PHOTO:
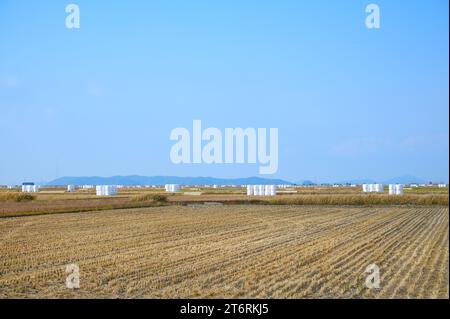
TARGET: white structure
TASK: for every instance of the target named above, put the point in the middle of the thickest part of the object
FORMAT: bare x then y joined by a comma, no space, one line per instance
398,189
273,190
71,188
373,188
106,190
30,188
379,188
442,185
261,190
395,189
391,189
172,188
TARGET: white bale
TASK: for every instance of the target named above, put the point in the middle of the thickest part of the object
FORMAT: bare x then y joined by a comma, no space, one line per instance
249,190
391,189
106,190
30,188
267,190
273,190
398,189
365,188
379,188
71,188
261,190
172,188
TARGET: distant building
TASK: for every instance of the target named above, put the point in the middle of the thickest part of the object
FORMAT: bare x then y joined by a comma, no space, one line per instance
29,187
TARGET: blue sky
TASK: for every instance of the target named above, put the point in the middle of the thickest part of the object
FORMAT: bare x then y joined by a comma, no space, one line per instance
349,102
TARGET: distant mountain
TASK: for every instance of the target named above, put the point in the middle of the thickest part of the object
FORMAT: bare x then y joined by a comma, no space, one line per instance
161,180
405,179
358,181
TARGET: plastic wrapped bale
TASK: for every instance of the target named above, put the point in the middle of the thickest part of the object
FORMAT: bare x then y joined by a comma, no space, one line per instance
71,188
172,188
261,190
365,188
249,190
379,188
398,189
267,190
391,189
273,190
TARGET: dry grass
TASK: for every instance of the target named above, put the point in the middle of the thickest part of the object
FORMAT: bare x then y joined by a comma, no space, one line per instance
16,197
45,207
50,203
363,199
157,198
229,252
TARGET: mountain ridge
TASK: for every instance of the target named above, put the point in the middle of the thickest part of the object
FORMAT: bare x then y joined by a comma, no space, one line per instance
202,180
161,180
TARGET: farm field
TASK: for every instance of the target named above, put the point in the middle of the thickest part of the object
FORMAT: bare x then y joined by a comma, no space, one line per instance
57,200
229,251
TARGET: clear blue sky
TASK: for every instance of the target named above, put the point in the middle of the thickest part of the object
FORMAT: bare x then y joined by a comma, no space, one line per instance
349,102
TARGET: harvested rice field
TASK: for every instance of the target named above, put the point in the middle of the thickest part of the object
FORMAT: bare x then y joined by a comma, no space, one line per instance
228,251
